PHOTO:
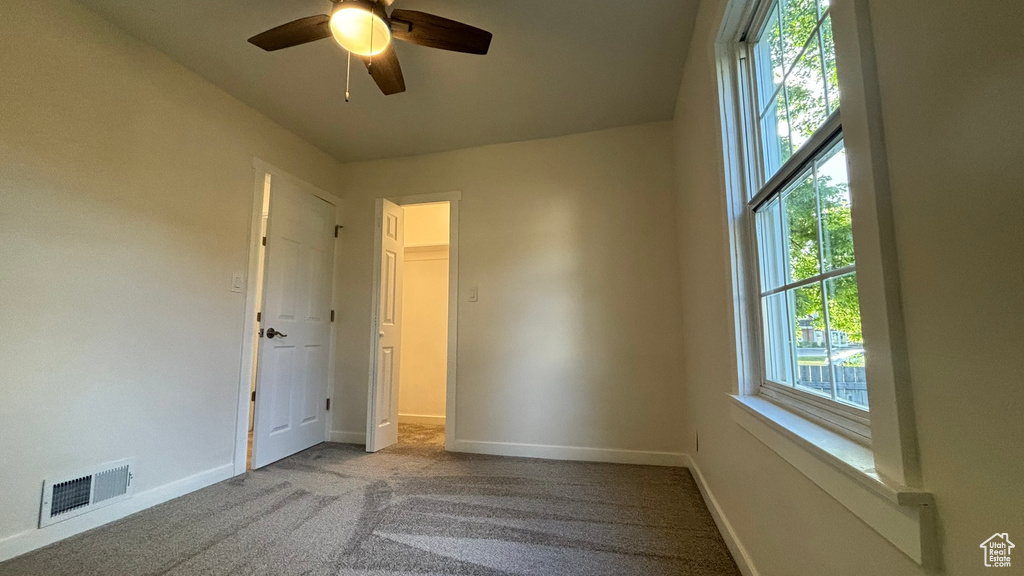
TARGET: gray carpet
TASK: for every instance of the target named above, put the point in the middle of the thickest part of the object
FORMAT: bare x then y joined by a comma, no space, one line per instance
412,509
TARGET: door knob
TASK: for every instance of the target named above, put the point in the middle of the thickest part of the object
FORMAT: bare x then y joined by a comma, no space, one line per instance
381,333
271,333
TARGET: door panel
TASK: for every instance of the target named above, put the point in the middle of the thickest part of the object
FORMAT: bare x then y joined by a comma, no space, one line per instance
288,257
320,282
385,385
382,424
314,368
278,386
291,386
390,297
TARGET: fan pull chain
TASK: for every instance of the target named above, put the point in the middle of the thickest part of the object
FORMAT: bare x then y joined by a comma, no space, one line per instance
348,74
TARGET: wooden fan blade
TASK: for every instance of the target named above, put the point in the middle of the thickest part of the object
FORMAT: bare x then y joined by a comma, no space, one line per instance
436,32
386,71
294,33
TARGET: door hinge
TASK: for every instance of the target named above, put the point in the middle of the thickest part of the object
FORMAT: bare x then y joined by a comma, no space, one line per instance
258,316
332,315
328,403
253,395
336,228
264,240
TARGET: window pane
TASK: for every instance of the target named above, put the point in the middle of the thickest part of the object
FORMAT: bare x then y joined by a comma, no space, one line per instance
805,87
834,200
775,135
770,68
769,246
799,17
811,352
846,339
798,52
778,338
800,222
831,73
811,343
775,46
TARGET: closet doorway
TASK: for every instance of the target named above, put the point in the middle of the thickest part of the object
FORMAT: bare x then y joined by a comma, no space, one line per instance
412,381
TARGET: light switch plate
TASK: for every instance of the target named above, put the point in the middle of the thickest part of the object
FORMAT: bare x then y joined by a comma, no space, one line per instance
237,282
473,294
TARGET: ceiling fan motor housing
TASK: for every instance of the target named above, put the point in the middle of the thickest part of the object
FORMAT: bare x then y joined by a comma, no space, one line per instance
361,26
368,5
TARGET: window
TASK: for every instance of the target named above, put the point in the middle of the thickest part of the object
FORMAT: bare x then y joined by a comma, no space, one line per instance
800,210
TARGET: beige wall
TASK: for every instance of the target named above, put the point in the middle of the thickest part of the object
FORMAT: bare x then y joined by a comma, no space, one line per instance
126,186
426,224
571,242
424,365
949,82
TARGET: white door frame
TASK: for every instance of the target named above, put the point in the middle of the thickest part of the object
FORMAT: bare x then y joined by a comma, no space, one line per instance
452,198
261,169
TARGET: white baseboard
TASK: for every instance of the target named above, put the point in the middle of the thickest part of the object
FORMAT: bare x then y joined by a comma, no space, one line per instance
739,553
420,419
550,452
29,540
348,437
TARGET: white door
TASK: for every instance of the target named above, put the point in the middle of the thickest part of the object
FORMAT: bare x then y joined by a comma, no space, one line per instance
382,427
291,384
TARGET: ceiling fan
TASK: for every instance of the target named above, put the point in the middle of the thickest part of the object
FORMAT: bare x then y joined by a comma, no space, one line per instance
364,28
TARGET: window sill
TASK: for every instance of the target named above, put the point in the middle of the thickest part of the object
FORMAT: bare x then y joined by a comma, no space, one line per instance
845,470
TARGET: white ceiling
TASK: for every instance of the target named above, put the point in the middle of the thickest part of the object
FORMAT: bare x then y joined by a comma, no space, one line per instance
555,67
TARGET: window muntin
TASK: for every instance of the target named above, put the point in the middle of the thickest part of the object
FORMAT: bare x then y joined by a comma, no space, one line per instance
810,313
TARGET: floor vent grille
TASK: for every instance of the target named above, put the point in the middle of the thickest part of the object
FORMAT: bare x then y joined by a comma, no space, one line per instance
81,493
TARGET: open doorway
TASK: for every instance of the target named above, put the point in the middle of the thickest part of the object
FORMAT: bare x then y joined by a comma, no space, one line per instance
424,351
411,398
261,258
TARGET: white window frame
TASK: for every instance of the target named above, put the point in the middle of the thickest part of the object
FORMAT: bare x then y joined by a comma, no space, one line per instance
876,476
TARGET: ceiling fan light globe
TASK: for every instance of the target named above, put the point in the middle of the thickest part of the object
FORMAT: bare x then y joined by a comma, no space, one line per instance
360,30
